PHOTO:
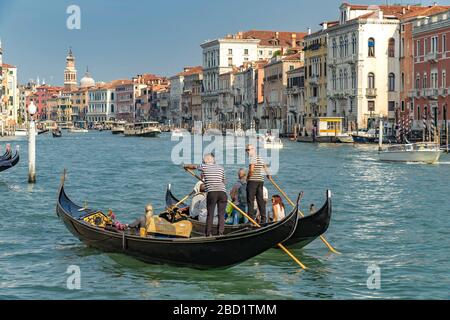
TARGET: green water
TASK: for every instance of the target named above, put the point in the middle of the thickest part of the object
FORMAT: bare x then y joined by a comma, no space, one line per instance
396,216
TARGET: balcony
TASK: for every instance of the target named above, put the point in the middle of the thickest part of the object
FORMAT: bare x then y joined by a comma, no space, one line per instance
313,100
332,61
313,80
431,93
351,58
432,57
443,92
293,90
415,93
371,92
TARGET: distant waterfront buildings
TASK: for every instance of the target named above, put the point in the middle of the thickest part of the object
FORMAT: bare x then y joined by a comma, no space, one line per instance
385,60
431,35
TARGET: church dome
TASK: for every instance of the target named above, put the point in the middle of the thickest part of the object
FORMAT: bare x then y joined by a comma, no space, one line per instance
87,81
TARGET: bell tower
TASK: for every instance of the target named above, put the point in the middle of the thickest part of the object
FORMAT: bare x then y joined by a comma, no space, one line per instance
70,73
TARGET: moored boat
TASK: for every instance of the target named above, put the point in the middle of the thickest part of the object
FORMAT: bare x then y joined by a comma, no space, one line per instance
56,133
78,130
308,228
7,155
22,132
9,163
197,252
177,132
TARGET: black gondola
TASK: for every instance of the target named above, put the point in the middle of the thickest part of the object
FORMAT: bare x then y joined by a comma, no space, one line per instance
7,155
196,252
9,163
56,133
308,228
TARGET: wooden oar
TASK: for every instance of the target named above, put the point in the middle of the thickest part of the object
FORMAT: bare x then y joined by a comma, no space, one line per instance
182,200
256,224
301,213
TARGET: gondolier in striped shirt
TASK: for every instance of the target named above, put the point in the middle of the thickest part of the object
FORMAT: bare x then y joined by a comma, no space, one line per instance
255,183
214,178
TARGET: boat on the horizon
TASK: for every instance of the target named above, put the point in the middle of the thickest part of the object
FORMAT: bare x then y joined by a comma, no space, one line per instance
118,127
142,129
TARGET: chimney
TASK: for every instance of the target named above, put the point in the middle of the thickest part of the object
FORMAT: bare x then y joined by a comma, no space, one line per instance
403,10
240,35
380,14
277,34
324,25
309,30
294,40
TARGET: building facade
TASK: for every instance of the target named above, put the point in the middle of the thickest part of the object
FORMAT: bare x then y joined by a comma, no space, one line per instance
295,99
275,85
101,104
222,55
10,98
315,86
431,66
126,92
191,96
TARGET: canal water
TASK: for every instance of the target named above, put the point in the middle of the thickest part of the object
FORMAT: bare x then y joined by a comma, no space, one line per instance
389,220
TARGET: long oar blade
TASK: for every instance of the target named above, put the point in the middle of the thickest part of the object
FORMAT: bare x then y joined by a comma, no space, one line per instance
256,224
301,213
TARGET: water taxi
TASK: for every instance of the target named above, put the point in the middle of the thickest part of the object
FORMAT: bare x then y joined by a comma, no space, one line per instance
426,152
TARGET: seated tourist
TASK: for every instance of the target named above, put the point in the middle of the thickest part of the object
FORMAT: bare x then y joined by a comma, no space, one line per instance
198,209
277,208
142,222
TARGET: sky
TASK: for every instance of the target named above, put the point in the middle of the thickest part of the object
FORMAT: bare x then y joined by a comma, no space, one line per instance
119,39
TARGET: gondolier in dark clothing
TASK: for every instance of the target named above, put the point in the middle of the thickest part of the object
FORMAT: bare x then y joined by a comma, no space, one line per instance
214,178
255,183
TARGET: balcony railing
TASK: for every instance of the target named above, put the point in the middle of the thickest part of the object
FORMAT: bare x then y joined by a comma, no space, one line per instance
313,100
443,92
431,93
371,92
313,79
432,56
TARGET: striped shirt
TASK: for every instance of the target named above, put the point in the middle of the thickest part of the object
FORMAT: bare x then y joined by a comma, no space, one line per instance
258,171
214,177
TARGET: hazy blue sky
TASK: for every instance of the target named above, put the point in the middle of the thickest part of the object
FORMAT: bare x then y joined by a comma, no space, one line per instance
119,39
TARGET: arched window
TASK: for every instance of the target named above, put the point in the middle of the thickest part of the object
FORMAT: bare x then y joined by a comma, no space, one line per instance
391,82
371,80
334,80
346,46
334,48
345,79
391,48
371,47
354,43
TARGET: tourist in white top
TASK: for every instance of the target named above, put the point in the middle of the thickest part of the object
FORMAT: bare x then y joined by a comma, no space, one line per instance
277,208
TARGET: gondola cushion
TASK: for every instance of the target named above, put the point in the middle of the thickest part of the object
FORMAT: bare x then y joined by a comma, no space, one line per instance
98,219
159,225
